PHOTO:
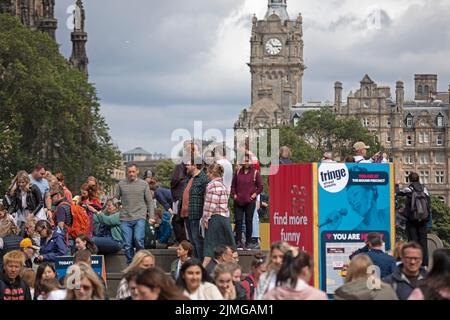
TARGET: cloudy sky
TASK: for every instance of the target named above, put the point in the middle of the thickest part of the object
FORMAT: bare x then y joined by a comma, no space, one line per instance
159,66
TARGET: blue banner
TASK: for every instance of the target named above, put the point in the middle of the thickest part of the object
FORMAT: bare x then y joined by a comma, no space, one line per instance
353,200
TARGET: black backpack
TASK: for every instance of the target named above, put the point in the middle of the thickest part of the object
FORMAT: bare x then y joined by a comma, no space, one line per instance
420,210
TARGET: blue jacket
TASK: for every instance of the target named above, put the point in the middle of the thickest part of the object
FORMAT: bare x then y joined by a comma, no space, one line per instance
385,262
164,231
55,247
401,284
164,197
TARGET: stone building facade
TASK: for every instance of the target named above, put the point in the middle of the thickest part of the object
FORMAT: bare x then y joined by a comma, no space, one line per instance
416,133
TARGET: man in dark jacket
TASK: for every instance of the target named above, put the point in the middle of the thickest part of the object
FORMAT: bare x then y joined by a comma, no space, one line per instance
192,201
385,262
409,274
416,230
12,287
53,243
366,248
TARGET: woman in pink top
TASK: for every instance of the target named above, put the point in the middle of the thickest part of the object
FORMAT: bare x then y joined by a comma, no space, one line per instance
293,278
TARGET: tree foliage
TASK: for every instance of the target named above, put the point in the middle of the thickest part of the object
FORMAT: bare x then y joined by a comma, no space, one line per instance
323,131
441,220
164,171
49,113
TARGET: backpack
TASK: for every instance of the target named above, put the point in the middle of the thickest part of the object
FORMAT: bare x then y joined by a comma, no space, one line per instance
81,223
419,206
251,285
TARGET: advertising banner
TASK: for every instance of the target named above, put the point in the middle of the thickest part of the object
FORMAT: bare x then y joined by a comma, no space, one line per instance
291,205
353,200
63,263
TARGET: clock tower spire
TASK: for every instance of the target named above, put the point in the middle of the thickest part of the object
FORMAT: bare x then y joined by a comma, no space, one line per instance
276,68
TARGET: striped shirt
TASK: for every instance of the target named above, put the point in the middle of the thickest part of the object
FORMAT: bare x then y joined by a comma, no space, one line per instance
136,200
216,200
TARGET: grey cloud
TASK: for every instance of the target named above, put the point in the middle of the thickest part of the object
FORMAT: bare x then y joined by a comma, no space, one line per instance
150,59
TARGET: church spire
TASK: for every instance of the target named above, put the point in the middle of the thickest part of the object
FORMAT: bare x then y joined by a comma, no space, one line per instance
79,57
48,23
278,7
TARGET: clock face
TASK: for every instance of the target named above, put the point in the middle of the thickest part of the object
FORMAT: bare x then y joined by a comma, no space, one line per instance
273,46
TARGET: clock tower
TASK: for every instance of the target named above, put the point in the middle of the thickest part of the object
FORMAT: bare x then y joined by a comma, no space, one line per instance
276,67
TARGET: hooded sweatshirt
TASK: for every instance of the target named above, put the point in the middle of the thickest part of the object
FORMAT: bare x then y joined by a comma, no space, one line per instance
15,289
358,290
302,291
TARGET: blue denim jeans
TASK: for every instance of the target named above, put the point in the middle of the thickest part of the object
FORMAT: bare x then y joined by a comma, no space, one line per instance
107,245
133,234
193,229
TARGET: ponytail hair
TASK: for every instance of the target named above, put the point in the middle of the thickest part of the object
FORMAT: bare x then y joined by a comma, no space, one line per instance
293,264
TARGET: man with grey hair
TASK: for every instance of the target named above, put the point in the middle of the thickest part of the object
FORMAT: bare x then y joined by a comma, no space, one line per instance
361,151
137,204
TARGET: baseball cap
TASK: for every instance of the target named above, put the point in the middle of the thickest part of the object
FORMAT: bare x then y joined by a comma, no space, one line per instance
360,145
27,243
148,174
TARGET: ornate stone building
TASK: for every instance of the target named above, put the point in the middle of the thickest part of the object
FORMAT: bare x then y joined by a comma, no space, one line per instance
276,67
416,133
40,15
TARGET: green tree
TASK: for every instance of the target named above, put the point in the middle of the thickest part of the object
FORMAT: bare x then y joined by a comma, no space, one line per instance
50,109
164,171
441,220
325,132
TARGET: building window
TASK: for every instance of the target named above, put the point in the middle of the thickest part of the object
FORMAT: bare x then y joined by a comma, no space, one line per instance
409,122
388,138
366,122
441,199
424,137
440,158
427,90
420,90
409,158
388,123
440,177
406,176
409,141
440,121
423,158
440,140
424,176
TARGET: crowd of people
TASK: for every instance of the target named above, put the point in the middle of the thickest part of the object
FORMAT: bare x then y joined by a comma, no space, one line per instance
41,220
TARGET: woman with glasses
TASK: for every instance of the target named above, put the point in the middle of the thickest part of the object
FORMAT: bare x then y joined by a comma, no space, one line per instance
89,286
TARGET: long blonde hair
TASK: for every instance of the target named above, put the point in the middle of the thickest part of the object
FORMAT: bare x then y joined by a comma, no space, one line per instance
358,268
23,176
137,260
85,272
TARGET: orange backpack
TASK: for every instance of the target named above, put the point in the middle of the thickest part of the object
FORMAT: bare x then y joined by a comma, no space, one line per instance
81,223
